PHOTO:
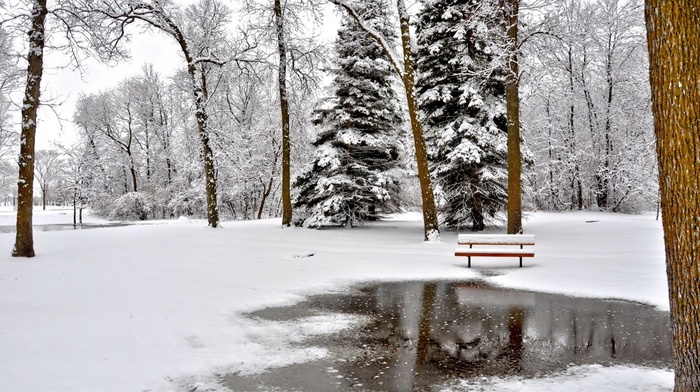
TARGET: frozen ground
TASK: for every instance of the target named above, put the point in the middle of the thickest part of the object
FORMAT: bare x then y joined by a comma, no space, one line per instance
158,308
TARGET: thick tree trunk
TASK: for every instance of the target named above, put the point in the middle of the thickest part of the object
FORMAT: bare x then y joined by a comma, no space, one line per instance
284,110
515,221
673,33
24,241
430,216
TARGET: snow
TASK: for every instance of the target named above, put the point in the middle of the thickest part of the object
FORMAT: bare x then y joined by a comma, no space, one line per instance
496,239
160,307
579,379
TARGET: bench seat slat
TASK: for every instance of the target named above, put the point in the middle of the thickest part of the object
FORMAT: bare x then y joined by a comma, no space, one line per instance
494,252
496,239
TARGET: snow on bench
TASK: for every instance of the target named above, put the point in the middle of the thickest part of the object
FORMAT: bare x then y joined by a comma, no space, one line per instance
495,240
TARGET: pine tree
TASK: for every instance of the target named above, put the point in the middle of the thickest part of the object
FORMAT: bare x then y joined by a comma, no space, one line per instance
461,90
353,177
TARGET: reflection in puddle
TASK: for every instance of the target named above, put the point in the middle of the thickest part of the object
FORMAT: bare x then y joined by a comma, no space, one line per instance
424,334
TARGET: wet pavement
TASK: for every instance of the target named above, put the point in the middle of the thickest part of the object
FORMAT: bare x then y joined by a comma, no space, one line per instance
424,334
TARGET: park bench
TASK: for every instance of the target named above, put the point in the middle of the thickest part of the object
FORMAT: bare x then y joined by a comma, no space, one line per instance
496,246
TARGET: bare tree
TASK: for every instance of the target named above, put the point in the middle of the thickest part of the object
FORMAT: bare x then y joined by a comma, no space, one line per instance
586,84
673,33
291,28
284,112
47,168
406,71
198,32
83,30
24,242
10,78
76,172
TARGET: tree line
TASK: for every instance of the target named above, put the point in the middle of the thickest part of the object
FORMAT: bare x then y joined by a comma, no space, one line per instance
580,71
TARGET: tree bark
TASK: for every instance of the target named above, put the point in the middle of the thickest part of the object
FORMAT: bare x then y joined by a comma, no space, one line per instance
431,227
284,110
515,223
24,241
207,153
673,34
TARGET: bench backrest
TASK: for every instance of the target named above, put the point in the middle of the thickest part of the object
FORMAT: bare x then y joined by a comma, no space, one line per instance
496,239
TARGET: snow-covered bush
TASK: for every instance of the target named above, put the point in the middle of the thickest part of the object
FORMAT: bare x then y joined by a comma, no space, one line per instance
131,206
189,203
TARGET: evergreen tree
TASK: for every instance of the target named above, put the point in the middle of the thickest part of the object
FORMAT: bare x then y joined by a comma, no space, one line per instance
461,90
353,177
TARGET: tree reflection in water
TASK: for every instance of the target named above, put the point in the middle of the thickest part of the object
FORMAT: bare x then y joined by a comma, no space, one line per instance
423,334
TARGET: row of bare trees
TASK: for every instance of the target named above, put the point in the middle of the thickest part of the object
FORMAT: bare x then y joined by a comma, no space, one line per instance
589,123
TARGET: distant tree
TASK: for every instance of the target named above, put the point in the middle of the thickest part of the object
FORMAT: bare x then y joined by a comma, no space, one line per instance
77,175
48,169
588,95
10,78
290,28
199,31
353,177
461,90
250,150
673,32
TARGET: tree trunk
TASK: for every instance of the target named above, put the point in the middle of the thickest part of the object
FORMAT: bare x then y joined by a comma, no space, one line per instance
673,33
478,223
603,175
515,223
267,189
207,153
284,109
24,241
430,216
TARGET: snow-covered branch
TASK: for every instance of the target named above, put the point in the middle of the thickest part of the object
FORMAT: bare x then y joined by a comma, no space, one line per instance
393,57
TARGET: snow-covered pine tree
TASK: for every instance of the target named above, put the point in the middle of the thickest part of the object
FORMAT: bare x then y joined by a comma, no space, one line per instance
353,176
461,90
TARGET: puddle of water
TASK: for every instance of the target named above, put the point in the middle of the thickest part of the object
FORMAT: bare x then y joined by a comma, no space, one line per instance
426,334
63,226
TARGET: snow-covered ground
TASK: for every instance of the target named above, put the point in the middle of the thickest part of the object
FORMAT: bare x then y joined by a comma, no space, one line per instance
159,307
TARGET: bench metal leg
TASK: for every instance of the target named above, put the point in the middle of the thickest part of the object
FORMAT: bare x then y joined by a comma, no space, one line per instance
469,263
521,259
